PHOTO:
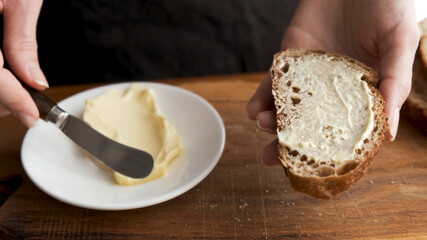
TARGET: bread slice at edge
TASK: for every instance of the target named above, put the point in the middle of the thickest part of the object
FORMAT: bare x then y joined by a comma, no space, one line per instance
348,175
415,108
422,50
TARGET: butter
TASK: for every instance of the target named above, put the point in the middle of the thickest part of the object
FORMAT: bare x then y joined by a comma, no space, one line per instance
131,117
339,108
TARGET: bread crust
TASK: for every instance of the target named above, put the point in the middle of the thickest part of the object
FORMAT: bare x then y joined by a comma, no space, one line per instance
422,50
326,187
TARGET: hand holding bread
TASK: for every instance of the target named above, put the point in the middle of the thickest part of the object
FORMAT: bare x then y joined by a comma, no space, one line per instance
381,34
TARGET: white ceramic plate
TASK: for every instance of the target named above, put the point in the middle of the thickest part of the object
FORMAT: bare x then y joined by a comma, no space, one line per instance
62,170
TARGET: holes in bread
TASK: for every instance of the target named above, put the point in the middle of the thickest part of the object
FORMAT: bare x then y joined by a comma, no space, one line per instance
295,89
295,100
316,165
285,68
358,151
310,93
288,83
325,171
294,153
310,162
366,141
364,78
303,158
347,168
375,129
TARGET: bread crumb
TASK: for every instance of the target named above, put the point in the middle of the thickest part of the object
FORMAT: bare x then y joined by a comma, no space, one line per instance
319,214
250,220
243,206
214,206
371,182
293,204
237,219
282,201
392,182
266,190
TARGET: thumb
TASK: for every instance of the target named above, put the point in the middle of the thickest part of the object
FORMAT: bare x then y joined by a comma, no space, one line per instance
20,46
397,53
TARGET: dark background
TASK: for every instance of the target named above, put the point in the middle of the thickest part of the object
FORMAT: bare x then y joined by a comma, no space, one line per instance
84,41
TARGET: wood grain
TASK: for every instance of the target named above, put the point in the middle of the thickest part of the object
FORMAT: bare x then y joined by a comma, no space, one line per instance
241,198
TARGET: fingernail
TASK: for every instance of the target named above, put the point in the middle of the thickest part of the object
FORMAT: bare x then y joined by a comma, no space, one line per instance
37,75
264,129
394,123
27,119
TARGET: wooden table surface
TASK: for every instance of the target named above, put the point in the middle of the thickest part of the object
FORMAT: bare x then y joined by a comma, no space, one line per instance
240,199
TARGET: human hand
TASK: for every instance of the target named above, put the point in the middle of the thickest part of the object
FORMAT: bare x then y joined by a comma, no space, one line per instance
382,34
20,48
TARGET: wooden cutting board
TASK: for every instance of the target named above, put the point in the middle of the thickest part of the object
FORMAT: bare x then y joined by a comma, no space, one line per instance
240,199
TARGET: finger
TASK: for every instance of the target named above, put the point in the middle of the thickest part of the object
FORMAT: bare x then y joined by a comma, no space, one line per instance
397,57
267,120
270,154
16,99
3,111
262,100
20,46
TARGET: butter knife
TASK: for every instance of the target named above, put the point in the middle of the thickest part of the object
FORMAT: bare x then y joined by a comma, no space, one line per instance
128,161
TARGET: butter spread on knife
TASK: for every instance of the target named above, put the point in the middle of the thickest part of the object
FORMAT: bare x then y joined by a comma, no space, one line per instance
131,117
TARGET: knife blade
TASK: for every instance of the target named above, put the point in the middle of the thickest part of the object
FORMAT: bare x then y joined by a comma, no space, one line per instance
126,160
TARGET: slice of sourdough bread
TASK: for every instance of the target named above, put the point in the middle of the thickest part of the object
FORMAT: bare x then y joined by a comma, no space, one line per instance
422,25
330,119
415,107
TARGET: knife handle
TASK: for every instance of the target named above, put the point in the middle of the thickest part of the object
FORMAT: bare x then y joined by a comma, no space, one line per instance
43,103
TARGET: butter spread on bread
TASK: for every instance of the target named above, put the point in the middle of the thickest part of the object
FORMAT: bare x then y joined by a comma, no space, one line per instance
337,104
131,117
330,120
